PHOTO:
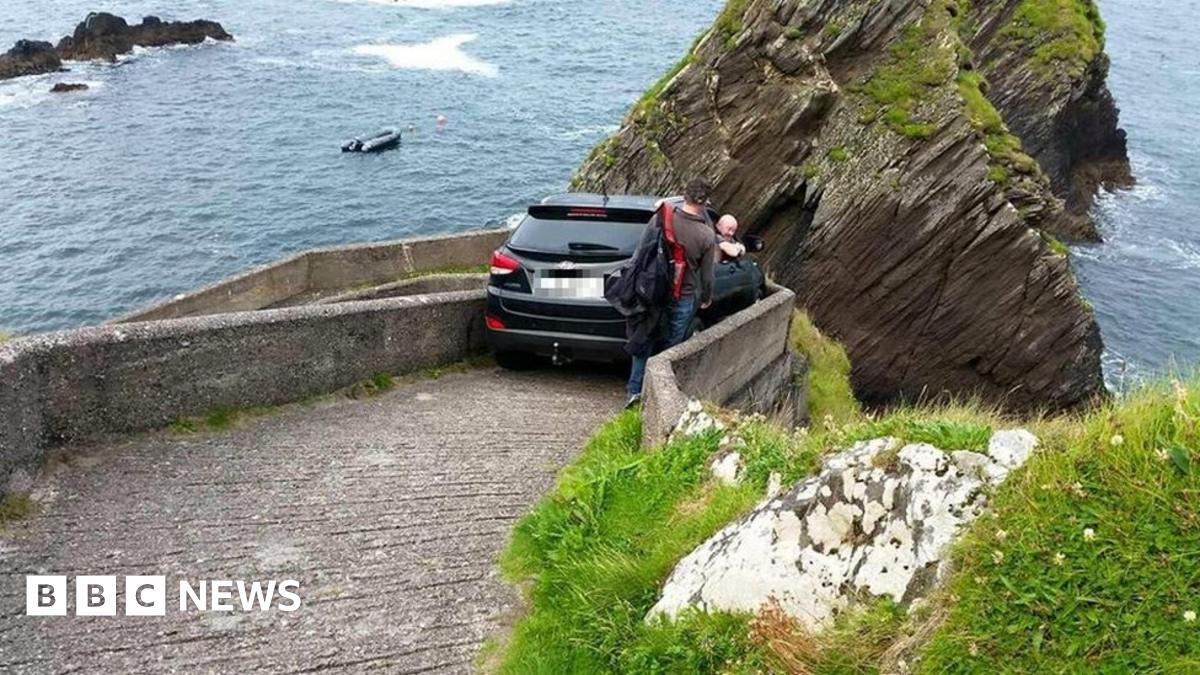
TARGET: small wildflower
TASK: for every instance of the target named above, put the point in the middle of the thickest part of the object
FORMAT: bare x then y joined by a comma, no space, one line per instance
973,649
997,557
1089,534
1117,440
1001,535
1059,559
1189,616
1162,455
1077,490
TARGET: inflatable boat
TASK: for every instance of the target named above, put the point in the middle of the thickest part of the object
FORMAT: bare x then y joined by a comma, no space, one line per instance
388,138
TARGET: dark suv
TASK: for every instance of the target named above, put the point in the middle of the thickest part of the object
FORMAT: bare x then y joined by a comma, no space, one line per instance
546,291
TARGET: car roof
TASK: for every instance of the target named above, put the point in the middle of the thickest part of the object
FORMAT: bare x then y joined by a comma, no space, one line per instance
591,199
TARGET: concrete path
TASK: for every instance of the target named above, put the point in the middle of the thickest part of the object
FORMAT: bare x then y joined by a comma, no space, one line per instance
389,511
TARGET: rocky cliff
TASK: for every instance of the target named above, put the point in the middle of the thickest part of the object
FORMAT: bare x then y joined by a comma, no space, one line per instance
860,138
103,36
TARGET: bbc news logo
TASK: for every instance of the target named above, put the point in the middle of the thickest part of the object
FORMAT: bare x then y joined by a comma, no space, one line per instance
147,596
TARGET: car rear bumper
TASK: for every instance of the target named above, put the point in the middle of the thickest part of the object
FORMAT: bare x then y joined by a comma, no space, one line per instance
563,345
549,329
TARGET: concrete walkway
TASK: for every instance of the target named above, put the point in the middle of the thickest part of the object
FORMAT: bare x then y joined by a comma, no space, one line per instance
389,511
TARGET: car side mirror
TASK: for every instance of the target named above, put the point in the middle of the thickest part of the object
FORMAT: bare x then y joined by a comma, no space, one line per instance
753,243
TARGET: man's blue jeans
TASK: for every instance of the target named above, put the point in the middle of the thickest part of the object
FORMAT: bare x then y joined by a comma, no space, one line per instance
681,314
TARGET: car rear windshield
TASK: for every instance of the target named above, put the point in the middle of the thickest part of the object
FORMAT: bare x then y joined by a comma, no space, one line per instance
577,237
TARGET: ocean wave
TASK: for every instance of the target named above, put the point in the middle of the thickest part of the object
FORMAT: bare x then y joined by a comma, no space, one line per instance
441,54
595,131
26,92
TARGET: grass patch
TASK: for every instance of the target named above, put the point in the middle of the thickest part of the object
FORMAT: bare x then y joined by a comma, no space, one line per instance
917,65
597,549
16,506
1090,562
830,395
1003,147
730,22
1064,36
1056,247
839,154
955,426
1099,568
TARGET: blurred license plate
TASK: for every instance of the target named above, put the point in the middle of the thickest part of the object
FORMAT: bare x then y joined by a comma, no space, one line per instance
572,287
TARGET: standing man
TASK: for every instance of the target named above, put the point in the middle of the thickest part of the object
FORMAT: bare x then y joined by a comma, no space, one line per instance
694,234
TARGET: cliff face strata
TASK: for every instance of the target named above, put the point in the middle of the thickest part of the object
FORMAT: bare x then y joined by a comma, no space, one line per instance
858,139
1048,72
103,36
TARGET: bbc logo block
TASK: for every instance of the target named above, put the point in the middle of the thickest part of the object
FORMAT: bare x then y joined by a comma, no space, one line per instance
95,595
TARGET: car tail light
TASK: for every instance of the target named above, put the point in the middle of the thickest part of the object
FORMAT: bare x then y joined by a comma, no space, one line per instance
502,264
493,322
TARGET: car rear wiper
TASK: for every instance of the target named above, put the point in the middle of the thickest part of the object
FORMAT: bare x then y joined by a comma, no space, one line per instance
584,246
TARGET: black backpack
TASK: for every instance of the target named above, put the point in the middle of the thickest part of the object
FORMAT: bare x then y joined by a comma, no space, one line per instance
654,276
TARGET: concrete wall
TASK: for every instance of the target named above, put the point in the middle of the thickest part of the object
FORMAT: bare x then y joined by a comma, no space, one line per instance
80,385
433,283
323,272
743,362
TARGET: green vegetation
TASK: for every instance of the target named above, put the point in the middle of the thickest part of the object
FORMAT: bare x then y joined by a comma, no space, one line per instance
1090,559
793,33
839,154
729,23
1093,560
832,29
16,506
1065,35
830,395
918,64
1003,147
810,171
596,549
451,269
1056,247
959,426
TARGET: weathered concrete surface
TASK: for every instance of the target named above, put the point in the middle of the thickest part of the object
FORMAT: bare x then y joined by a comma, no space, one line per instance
320,273
744,360
389,511
76,386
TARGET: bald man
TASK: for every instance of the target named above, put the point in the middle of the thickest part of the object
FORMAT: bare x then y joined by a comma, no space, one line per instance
726,231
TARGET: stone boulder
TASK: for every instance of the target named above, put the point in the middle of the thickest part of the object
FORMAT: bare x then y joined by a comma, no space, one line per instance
877,521
65,87
29,57
104,36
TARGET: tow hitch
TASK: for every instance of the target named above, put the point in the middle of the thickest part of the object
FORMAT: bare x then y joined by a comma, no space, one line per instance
558,359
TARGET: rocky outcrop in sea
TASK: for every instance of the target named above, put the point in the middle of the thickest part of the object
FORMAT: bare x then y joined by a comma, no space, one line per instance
29,57
868,143
103,36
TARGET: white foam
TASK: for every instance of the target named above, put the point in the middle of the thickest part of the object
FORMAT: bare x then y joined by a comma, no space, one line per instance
441,54
26,92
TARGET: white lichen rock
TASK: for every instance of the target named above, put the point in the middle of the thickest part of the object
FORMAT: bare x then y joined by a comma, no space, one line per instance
695,420
878,519
726,468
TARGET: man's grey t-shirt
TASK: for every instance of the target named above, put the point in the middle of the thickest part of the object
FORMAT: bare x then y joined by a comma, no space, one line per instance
696,235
